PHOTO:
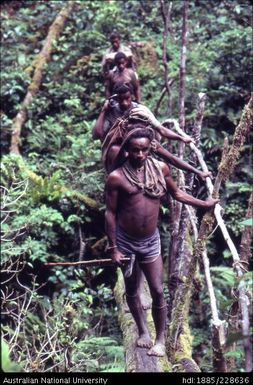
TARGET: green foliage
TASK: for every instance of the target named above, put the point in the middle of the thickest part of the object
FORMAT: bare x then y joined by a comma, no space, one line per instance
247,222
225,283
110,354
6,364
40,222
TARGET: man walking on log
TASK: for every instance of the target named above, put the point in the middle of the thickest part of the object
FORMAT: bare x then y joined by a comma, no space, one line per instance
133,194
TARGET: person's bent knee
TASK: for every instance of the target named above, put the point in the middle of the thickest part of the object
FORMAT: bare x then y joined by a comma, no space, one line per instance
158,297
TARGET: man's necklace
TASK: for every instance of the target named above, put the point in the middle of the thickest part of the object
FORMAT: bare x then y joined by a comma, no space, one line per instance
139,170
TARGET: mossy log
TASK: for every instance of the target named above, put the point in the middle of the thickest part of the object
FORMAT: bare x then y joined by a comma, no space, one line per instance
137,359
38,66
179,344
227,166
247,235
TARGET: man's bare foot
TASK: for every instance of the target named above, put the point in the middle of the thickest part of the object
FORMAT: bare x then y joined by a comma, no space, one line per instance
144,341
145,301
157,350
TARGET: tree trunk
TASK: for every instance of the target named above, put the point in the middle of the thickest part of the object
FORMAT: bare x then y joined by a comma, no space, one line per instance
182,70
137,359
196,134
166,22
176,207
226,168
39,64
178,254
245,254
246,240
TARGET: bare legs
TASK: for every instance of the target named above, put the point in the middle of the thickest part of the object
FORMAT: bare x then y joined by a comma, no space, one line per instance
153,274
136,309
144,297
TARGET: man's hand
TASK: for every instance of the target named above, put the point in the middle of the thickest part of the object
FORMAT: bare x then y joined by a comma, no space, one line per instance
144,113
109,57
139,111
211,202
203,175
187,139
106,106
116,256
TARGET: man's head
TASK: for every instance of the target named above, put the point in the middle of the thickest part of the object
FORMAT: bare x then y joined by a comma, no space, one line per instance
120,61
138,144
115,40
125,94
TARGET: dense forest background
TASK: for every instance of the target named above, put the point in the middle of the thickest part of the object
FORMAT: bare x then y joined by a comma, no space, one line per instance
65,319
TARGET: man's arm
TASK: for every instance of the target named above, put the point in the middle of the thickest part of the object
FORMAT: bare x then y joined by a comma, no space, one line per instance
169,134
136,85
182,196
98,129
108,85
112,192
179,163
107,61
145,112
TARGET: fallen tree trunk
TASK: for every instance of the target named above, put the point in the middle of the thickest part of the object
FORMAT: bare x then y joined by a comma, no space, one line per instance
137,359
38,64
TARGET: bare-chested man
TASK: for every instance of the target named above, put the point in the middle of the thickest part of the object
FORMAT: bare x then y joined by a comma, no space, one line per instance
133,194
122,74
